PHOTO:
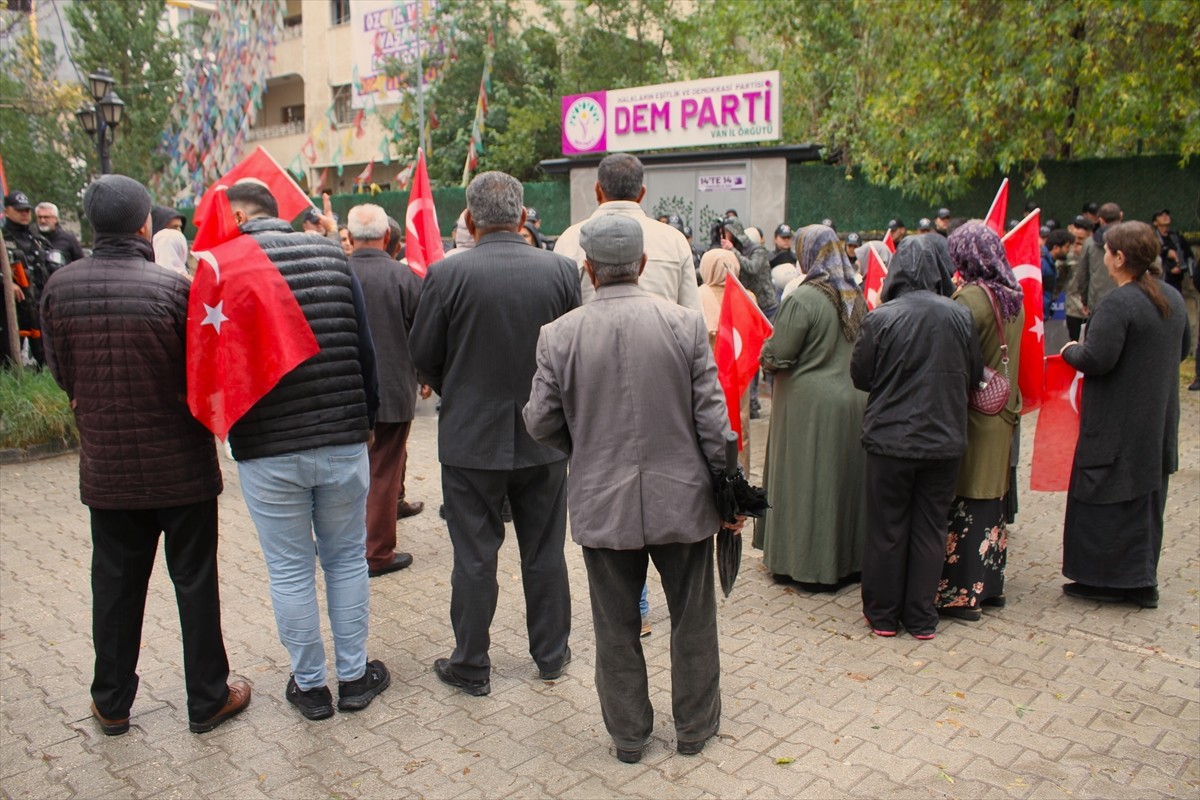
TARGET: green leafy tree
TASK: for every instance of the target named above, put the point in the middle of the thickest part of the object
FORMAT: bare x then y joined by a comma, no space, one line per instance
41,138
128,39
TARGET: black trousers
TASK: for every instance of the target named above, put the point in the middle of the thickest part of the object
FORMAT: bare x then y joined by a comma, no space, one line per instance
538,496
615,580
909,500
124,545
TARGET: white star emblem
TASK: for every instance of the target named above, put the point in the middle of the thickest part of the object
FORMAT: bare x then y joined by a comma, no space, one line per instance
1038,328
214,316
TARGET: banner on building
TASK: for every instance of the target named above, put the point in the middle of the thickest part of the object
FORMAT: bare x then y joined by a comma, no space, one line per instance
729,110
383,31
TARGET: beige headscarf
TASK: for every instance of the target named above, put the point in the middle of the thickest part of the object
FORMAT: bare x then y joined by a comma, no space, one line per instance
714,266
171,250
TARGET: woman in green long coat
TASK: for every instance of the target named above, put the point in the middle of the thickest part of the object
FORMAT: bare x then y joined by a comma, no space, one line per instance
815,466
977,544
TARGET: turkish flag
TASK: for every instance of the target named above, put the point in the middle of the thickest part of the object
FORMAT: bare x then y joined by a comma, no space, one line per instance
1024,253
1057,427
260,166
245,331
219,226
873,280
889,242
423,245
741,331
995,215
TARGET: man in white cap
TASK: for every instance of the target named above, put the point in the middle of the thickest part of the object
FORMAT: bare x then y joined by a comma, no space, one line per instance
641,483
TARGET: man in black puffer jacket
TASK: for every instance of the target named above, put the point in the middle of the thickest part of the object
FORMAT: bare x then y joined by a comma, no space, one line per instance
918,356
302,461
113,327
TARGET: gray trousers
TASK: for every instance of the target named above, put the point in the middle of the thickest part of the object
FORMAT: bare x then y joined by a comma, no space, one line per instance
615,579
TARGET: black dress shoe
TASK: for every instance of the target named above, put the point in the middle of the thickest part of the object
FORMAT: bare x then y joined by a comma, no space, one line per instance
446,674
110,727
1100,594
405,509
629,756
999,601
399,562
961,612
555,674
690,748
1144,596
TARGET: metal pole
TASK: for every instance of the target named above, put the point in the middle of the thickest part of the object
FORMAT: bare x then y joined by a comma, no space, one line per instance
420,83
13,344
102,142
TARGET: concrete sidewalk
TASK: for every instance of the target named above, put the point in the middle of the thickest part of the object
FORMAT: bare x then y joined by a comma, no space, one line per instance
1048,698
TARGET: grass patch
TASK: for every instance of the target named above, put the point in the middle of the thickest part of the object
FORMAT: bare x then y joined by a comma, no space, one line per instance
33,410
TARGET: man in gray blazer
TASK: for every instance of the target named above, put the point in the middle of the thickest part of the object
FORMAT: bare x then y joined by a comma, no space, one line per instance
628,387
473,341
390,291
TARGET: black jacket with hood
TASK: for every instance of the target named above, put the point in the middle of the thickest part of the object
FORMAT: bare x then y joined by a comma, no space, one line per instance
918,357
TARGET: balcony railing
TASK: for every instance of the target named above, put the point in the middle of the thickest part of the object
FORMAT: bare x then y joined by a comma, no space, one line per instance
271,131
291,32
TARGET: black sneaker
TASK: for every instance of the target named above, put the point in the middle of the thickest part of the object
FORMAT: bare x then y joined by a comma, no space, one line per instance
313,703
357,695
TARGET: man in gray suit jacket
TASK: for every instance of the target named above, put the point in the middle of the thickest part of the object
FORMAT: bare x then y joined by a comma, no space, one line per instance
627,386
473,341
390,291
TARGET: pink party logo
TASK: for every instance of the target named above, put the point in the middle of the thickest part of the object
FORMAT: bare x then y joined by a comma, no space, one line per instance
583,123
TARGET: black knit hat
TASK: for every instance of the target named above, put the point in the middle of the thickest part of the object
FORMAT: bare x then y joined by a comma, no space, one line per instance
116,204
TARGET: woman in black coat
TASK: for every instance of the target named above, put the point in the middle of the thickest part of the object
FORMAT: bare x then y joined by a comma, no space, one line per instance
1128,427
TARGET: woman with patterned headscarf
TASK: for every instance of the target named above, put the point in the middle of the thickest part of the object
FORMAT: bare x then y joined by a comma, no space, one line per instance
977,545
815,467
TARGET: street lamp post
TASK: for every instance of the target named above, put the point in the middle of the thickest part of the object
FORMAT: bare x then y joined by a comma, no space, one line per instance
101,119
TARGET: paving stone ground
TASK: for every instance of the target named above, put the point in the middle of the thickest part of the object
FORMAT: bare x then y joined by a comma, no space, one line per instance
1050,697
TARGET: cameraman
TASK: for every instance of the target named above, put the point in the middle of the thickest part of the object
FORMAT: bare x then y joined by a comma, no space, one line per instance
1175,254
28,253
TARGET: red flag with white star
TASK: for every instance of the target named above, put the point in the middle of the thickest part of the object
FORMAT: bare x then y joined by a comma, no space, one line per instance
245,331
1024,253
741,331
423,243
873,280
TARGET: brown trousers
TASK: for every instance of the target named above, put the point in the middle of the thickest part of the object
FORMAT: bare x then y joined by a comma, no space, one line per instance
388,455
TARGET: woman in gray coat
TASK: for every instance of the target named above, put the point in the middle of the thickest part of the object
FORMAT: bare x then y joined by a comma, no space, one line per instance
1128,426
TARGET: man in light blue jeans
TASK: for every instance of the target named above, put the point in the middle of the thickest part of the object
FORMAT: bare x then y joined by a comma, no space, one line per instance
302,460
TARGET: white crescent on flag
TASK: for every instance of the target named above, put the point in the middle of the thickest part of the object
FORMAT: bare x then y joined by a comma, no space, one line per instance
1074,390
211,260
416,207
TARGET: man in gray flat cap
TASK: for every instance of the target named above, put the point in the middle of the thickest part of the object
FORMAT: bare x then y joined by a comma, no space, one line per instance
641,483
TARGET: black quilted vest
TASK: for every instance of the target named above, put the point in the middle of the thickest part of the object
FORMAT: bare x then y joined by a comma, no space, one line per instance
322,401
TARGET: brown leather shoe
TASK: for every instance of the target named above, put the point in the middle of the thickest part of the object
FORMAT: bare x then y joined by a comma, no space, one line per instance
406,509
110,727
239,698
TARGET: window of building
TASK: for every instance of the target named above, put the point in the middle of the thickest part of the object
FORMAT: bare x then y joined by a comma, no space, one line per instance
339,12
342,110
293,114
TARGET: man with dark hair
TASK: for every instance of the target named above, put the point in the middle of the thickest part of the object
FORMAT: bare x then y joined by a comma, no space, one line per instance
302,459
1174,253
391,291
599,368
1054,252
114,336
941,221
473,341
164,217
670,269
1091,280
29,254
395,238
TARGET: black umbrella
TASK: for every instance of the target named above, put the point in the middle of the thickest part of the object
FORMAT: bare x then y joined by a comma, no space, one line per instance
735,497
